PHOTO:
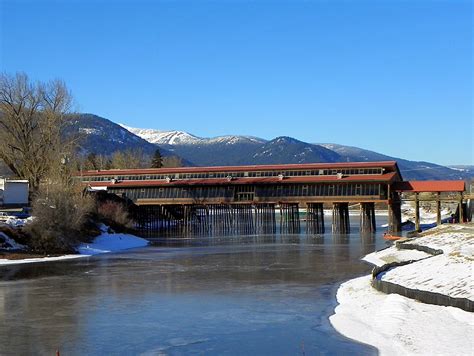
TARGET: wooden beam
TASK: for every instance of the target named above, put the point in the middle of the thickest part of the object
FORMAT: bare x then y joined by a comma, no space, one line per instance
438,211
417,213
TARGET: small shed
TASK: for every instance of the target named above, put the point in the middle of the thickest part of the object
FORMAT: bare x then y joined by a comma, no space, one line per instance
13,192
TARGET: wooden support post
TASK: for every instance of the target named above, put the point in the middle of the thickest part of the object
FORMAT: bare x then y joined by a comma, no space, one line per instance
367,218
438,210
417,213
323,228
289,221
374,222
394,213
347,224
461,211
340,218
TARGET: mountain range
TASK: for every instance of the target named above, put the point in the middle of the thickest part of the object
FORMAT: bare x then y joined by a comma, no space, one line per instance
104,136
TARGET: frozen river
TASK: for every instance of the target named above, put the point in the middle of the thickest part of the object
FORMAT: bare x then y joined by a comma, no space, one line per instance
254,295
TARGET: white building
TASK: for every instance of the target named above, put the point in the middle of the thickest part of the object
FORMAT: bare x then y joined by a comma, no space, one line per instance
13,192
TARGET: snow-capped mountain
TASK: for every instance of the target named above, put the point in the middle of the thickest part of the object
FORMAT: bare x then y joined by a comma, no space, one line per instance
160,137
103,136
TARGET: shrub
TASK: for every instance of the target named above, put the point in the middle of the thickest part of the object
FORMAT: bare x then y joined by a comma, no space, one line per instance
114,214
61,214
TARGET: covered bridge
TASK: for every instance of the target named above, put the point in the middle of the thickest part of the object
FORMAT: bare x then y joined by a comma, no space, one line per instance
249,195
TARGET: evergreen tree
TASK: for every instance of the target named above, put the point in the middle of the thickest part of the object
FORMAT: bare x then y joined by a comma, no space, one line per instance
157,160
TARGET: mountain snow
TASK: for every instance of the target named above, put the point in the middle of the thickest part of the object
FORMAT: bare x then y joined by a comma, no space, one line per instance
163,137
183,138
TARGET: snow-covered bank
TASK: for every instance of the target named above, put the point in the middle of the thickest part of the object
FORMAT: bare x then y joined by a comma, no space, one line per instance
104,243
399,325
450,273
4,261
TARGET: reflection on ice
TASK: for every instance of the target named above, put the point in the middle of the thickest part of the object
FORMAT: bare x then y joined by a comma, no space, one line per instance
237,295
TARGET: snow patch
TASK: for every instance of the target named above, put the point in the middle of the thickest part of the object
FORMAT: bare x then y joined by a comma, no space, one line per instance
107,242
6,262
400,326
89,131
392,254
104,243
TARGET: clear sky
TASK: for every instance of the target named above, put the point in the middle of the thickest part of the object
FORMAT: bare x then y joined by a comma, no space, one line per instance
392,76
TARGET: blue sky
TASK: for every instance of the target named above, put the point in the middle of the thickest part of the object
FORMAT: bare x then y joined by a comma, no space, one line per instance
372,74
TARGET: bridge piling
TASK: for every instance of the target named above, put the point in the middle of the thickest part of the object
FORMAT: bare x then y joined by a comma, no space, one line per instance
289,218
394,217
265,222
340,218
367,218
315,218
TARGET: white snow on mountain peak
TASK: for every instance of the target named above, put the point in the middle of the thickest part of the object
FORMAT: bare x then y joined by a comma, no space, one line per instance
183,138
163,137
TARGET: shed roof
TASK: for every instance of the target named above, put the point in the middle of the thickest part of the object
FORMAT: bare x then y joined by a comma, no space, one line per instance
430,186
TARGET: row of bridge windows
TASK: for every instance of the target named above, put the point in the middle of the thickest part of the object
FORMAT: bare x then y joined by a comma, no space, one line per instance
288,190
204,175
318,190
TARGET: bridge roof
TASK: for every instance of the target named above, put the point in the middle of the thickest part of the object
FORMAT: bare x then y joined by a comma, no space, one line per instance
429,186
276,167
387,177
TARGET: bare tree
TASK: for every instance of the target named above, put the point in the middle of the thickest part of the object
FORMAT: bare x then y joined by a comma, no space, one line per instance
32,117
129,159
172,162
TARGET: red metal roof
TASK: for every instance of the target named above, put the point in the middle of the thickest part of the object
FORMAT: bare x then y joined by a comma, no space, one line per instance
429,186
388,177
308,166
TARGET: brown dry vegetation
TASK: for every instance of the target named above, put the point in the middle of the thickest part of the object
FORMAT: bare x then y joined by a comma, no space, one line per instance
33,116
62,213
114,214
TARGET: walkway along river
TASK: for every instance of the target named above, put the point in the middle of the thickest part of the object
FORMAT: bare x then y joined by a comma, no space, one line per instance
265,294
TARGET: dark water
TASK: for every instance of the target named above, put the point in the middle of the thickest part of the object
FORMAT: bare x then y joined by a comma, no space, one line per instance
264,295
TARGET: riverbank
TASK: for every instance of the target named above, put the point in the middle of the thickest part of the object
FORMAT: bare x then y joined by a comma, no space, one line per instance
399,325
104,243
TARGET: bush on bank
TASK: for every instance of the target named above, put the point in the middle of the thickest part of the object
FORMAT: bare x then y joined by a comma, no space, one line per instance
62,218
66,215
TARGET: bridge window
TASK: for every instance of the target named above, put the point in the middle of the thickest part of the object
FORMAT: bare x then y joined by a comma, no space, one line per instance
304,190
331,190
